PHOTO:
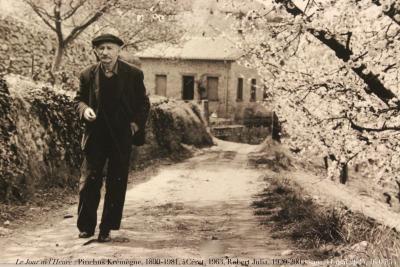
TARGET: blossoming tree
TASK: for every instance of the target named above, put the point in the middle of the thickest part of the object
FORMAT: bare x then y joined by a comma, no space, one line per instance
331,72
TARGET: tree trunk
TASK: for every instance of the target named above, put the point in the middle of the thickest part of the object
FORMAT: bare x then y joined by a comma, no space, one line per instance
58,58
276,128
326,164
344,174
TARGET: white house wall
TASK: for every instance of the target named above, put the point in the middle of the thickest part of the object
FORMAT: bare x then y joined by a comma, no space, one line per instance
239,71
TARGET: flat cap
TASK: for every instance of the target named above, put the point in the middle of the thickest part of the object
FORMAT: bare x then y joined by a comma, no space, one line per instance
109,38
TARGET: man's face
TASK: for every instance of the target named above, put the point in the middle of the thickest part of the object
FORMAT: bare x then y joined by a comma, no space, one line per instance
107,52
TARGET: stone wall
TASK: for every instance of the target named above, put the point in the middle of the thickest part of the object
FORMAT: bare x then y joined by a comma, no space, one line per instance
241,133
27,51
40,134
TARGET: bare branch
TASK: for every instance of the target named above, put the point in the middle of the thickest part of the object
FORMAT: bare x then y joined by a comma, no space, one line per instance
360,128
135,43
73,9
41,13
80,28
274,65
389,67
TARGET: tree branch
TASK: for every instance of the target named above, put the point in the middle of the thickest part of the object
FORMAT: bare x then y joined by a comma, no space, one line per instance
375,86
360,128
41,14
73,9
80,28
389,10
57,16
389,67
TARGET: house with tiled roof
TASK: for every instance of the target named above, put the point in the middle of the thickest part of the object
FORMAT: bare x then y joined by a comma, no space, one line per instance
202,69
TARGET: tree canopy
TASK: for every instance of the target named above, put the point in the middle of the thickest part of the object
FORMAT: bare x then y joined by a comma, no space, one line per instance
331,72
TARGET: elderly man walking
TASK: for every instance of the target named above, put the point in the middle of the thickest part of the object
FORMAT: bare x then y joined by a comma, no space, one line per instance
112,102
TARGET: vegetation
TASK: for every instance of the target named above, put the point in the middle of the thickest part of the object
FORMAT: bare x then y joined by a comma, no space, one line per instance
41,137
330,231
331,72
139,22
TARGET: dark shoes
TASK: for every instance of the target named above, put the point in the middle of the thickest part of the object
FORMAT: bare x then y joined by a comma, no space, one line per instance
104,236
85,234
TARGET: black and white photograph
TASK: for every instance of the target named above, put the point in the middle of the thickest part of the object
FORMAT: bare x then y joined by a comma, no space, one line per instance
200,133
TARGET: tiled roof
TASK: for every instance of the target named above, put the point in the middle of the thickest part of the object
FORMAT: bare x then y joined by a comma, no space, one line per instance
201,48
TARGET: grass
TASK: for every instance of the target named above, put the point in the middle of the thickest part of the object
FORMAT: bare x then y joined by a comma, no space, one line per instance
326,230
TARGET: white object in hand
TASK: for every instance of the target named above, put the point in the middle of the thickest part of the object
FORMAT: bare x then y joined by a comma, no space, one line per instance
134,128
89,114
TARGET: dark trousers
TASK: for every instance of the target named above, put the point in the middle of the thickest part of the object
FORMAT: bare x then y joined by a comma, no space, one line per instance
102,147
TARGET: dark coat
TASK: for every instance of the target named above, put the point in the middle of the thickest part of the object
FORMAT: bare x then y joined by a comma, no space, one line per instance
135,103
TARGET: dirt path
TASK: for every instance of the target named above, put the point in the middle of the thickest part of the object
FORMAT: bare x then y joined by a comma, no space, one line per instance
196,209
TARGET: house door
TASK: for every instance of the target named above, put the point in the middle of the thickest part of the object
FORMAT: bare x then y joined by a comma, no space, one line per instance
161,85
187,87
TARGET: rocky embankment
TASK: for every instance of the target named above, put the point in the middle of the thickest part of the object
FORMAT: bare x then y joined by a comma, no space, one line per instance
40,136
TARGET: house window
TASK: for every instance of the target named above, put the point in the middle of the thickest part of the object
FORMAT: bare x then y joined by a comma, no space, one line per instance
253,90
239,92
212,88
161,84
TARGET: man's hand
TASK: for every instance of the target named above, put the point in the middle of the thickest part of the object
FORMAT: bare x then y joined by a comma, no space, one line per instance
134,128
89,114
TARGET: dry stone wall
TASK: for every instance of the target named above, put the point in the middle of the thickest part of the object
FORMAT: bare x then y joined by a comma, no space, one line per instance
27,51
40,134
